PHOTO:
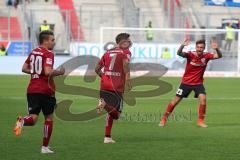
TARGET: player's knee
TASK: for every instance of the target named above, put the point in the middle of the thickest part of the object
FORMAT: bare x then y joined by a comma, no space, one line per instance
35,119
202,99
174,102
203,103
48,117
34,122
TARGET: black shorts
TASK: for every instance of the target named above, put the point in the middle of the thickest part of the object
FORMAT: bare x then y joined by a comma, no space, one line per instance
113,99
184,90
38,102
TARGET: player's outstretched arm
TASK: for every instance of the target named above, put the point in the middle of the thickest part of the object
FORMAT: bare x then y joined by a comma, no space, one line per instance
49,71
26,68
217,55
126,67
180,49
98,69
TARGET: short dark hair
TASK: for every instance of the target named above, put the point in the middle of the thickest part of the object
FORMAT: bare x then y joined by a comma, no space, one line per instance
122,36
44,35
201,41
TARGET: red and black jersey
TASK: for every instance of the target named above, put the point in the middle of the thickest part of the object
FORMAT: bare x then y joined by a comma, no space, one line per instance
113,78
195,67
38,59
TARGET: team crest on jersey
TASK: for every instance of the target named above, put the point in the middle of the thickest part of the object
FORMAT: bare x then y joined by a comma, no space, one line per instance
49,61
203,60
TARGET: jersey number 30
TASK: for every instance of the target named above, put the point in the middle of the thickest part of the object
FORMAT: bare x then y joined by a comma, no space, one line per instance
36,64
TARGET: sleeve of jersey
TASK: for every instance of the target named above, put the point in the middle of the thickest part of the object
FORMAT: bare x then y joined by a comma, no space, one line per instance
28,60
187,54
129,56
209,56
101,62
48,60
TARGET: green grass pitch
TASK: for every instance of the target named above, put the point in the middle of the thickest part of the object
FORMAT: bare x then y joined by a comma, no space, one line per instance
137,133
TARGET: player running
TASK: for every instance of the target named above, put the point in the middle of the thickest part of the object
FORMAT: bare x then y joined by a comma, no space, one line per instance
116,73
41,89
193,78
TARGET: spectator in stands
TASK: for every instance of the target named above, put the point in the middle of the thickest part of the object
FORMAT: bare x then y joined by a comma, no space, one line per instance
15,4
9,2
45,26
3,51
166,54
229,36
149,32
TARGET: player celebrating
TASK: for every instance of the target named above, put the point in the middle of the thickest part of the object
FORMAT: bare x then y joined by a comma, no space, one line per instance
193,78
116,73
41,89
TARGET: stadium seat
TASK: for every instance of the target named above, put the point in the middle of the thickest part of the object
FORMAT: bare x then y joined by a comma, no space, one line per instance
15,29
65,5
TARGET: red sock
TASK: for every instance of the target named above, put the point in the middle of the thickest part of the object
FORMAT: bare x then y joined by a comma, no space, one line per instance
28,121
201,111
47,132
108,125
168,110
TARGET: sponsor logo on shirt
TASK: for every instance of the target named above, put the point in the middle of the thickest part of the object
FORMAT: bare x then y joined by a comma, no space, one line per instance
37,53
116,51
197,64
203,60
109,73
49,61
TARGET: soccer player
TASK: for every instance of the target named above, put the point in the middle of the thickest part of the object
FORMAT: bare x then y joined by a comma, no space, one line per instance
116,74
193,78
41,89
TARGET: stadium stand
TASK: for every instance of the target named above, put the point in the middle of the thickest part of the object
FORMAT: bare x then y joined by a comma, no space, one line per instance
210,16
150,11
95,14
37,12
81,20
10,26
76,30
130,13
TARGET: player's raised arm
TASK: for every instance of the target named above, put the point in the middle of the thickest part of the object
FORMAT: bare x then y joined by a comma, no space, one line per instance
126,68
217,55
49,71
180,49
